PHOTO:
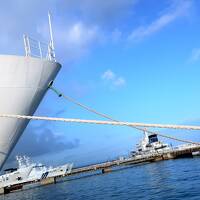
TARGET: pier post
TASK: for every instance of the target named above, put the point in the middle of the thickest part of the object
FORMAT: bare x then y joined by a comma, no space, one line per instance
48,181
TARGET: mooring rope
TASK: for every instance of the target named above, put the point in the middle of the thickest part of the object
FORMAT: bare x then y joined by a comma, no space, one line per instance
138,126
86,121
72,100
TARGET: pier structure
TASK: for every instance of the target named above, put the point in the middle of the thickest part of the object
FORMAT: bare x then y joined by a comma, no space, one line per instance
109,166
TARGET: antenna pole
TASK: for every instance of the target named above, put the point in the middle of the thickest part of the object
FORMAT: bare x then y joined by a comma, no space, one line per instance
51,35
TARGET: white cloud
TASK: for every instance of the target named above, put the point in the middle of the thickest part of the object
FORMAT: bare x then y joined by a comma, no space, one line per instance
79,34
112,79
108,75
119,82
79,37
177,9
195,55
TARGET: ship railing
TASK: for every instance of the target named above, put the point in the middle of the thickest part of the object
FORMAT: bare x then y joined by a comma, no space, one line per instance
38,49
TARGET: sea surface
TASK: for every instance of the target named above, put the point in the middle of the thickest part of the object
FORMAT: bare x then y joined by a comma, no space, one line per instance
173,179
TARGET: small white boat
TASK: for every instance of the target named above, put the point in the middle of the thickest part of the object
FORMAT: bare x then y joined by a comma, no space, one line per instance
28,171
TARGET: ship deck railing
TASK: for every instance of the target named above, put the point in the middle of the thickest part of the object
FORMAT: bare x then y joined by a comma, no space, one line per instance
38,49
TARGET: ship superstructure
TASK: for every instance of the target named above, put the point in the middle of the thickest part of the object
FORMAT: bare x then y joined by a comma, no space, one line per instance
29,171
149,145
24,81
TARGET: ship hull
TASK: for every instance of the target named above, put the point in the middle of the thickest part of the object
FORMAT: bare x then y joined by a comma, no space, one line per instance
23,83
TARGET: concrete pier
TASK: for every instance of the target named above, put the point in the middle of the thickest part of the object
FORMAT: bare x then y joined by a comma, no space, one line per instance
106,170
172,154
48,181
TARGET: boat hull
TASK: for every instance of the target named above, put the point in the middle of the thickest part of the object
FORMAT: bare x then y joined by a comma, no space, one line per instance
23,83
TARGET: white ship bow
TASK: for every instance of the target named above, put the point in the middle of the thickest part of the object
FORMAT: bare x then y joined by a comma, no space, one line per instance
23,83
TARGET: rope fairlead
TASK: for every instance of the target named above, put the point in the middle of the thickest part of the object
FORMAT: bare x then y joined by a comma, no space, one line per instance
50,86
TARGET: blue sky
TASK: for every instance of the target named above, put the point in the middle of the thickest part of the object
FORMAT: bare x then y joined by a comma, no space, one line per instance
135,60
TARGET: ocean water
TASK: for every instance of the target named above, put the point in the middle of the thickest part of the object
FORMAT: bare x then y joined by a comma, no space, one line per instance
173,179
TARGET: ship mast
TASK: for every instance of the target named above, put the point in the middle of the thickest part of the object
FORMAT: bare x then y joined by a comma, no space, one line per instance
51,44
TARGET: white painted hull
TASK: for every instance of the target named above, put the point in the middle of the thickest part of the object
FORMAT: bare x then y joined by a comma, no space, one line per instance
23,83
29,172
